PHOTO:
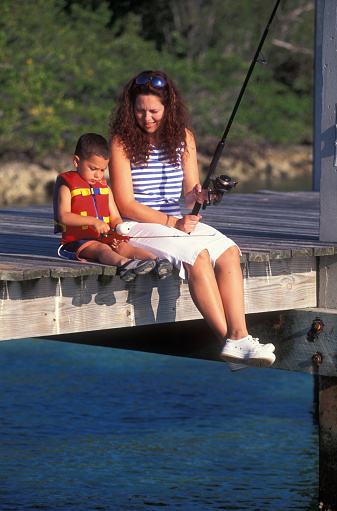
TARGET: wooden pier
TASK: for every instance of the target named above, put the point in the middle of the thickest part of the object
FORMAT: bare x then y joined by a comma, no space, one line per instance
287,277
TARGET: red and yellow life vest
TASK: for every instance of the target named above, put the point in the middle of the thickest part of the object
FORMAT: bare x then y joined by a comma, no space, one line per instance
86,200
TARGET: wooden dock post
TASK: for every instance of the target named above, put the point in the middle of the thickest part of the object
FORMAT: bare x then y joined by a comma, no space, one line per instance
327,443
325,166
325,103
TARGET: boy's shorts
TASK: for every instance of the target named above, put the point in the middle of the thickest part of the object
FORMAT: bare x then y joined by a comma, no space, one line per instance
73,249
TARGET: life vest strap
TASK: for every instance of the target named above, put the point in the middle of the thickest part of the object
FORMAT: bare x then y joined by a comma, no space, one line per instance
58,227
89,191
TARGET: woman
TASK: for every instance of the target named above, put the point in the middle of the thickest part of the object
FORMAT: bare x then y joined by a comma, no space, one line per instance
153,158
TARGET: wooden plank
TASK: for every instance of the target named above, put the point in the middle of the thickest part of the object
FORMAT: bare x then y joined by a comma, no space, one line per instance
254,213
263,227
280,285
79,303
327,275
289,331
260,223
15,267
49,306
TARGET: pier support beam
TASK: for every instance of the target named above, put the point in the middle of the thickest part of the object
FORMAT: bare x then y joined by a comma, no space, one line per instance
328,443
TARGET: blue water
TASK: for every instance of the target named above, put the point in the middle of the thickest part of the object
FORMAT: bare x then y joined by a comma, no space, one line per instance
87,428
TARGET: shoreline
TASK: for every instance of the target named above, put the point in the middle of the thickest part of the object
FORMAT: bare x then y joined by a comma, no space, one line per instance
29,181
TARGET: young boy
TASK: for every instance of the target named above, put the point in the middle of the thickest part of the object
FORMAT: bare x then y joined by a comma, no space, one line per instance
85,212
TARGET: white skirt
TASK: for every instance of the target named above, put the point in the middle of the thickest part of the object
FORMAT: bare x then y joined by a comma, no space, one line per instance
177,246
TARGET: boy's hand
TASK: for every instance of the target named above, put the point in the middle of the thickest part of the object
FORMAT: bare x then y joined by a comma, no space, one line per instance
114,239
100,226
115,243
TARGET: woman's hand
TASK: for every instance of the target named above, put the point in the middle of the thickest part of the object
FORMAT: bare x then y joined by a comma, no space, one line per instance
188,223
199,194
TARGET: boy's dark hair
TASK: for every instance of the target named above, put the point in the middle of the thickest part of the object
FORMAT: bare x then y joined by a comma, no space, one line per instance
91,144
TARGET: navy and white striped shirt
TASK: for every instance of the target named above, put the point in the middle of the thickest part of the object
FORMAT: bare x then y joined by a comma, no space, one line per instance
158,184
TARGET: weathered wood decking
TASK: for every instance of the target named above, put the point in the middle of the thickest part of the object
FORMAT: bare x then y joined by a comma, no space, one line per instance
278,233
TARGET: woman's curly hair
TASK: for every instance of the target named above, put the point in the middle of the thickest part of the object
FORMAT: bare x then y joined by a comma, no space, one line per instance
132,138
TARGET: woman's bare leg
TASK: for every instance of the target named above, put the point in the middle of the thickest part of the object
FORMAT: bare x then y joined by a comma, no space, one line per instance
230,284
219,297
205,293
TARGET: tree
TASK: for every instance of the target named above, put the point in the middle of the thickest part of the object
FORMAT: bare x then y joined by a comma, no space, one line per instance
63,63
61,74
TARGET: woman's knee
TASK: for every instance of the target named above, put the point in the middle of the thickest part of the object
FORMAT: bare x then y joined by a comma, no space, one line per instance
230,256
203,258
201,262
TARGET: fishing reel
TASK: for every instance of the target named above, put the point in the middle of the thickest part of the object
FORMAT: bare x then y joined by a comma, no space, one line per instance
221,185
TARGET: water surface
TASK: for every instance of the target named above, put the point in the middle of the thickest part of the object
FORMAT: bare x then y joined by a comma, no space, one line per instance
88,428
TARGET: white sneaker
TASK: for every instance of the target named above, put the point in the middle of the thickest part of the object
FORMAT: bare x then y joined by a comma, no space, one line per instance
250,351
234,367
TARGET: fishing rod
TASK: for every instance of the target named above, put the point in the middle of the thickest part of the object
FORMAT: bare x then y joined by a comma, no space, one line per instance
108,238
121,232
224,184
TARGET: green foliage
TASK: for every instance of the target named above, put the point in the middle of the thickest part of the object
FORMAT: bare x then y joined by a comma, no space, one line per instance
63,63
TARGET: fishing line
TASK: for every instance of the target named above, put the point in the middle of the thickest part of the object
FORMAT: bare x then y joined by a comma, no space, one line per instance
221,144
260,78
263,60
175,236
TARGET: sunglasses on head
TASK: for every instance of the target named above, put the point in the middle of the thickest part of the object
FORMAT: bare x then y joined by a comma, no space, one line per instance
157,82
